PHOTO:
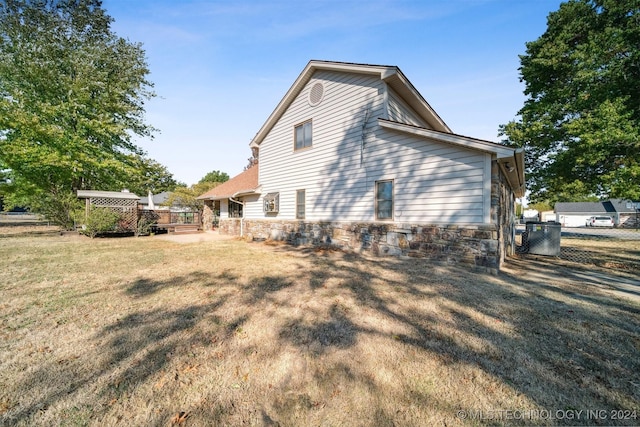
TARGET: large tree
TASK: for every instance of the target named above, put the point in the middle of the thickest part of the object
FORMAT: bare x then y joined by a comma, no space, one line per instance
72,97
188,196
580,124
152,176
215,177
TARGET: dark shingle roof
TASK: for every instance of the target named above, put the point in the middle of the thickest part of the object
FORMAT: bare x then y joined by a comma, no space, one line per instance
606,206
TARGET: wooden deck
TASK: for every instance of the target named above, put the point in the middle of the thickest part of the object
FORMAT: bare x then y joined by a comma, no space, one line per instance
179,228
177,222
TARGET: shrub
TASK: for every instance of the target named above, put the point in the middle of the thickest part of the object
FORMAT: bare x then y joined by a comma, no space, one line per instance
100,220
144,226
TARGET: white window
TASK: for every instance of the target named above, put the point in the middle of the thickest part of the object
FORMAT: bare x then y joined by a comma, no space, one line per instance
271,202
300,204
384,199
303,135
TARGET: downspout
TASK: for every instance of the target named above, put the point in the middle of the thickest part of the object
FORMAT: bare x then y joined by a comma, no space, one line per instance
242,217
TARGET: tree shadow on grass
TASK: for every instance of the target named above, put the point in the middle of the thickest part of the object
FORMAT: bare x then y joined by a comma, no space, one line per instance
337,331
125,353
144,287
562,347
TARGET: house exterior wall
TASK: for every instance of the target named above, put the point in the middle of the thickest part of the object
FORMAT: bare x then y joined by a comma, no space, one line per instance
450,203
399,111
337,129
483,246
434,183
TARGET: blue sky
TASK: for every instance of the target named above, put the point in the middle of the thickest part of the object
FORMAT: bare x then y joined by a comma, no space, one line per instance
221,67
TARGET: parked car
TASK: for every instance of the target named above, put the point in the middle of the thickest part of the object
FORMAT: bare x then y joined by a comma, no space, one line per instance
600,221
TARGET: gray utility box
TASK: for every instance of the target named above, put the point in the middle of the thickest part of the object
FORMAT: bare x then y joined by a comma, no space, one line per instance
543,238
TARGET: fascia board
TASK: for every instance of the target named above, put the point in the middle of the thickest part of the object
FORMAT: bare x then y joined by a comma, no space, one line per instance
239,193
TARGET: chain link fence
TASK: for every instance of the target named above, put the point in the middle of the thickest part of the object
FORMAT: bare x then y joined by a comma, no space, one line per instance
21,218
608,247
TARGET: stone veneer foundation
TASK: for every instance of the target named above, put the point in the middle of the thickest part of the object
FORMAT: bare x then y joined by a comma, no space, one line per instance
473,245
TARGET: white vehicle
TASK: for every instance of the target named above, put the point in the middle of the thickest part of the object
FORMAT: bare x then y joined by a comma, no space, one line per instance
600,221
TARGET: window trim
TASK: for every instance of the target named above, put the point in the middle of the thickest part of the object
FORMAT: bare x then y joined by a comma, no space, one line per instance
295,135
271,202
378,200
301,214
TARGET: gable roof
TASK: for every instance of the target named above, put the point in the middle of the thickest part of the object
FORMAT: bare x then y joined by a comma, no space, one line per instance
579,207
624,206
241,184
606,206
390,74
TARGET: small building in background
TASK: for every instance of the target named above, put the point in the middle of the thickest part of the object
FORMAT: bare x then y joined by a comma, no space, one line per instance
576,214
124,203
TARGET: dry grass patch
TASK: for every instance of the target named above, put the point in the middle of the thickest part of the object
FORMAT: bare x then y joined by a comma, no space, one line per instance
617,254
141,331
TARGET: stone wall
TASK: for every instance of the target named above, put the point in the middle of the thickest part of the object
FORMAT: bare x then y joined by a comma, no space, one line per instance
474,245
503,212
207,215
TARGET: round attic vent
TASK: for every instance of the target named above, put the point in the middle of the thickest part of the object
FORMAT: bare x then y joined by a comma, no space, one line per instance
316,94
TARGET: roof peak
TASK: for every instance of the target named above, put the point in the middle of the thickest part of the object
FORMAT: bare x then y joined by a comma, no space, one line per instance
390,74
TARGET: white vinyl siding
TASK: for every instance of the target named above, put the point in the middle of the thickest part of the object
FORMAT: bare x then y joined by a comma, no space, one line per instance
400,112
253,207
337,126
433,182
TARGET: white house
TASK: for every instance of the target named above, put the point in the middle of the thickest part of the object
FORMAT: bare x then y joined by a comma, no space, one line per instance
353,155
624,213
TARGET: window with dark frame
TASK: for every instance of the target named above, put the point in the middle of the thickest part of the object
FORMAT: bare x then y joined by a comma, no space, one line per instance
300,204
384,199
302,134
235,209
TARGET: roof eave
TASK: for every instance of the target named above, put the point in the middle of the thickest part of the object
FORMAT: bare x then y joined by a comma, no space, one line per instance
449,138
240,193
513,169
